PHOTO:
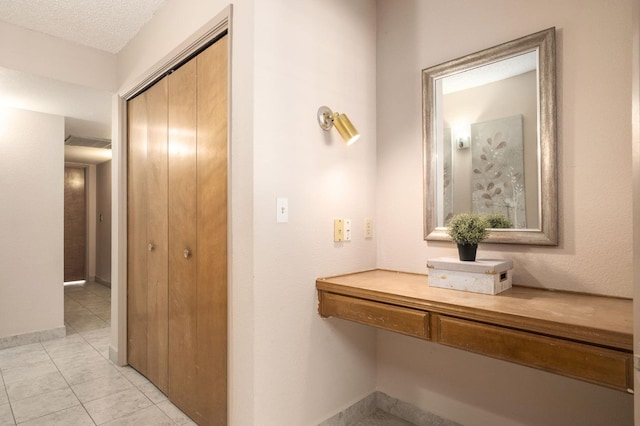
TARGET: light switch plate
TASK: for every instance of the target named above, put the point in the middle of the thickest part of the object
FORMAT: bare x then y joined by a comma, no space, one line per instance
282,210
338,230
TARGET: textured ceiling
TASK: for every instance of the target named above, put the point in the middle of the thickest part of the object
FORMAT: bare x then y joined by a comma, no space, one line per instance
102,24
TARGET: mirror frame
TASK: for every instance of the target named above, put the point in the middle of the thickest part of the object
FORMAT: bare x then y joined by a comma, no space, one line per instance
544,43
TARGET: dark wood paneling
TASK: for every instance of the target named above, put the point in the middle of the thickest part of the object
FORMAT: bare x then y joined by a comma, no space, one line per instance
75,224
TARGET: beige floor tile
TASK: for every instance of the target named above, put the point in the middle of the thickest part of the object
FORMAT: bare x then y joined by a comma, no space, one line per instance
43,404
118,405
151,415
29,387
92,371
152,392
133,376
174,413
26,359
31,371
64,341
20,350
98,388
74,416
89,324
72,349
4,398
82,359
6,416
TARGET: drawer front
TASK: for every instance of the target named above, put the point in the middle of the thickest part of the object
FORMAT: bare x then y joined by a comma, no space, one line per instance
593,364
401,320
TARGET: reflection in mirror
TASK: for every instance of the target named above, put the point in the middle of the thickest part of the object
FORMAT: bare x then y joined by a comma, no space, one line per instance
489,140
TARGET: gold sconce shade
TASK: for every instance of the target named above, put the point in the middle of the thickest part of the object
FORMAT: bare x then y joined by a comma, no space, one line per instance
328,118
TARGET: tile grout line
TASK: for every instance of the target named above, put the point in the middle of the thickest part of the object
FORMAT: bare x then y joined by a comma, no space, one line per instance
4,385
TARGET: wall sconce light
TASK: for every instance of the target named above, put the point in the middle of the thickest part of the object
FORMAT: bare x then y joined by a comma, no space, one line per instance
328,119
461,135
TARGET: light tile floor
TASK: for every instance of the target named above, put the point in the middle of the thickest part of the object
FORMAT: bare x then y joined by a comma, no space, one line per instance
71,382
381,418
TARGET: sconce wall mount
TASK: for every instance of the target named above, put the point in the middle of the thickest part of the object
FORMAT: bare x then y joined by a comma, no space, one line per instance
327,119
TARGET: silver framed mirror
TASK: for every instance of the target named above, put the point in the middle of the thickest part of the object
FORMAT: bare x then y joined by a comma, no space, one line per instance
489,140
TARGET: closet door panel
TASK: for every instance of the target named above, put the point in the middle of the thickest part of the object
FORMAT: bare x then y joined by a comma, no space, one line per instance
212,234
157,235
182,238
137,235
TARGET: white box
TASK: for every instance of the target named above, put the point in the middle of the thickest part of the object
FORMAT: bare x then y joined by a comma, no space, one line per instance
487,276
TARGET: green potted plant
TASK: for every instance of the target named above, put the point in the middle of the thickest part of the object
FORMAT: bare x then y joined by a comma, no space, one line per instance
498,221
467,230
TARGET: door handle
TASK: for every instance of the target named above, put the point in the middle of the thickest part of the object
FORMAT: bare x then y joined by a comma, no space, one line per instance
151,247
186,253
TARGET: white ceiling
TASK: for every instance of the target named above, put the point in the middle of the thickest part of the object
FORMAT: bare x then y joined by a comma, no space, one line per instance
106,25
102,24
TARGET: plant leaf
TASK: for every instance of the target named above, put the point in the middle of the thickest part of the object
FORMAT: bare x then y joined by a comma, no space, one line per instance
477,171
498,174
488,167
501,145
491,185
497,191
480,186
486,196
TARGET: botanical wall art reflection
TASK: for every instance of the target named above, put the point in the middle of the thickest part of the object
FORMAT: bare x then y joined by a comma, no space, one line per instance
497,164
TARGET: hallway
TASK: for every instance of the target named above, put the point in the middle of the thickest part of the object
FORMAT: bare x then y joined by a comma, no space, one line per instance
70,381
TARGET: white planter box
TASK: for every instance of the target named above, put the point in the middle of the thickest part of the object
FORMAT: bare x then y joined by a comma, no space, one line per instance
485,276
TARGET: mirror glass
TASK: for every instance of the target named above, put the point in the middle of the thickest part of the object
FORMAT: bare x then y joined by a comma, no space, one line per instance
489,140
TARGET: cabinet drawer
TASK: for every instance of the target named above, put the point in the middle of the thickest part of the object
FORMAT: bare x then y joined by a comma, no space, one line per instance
401,320
593,364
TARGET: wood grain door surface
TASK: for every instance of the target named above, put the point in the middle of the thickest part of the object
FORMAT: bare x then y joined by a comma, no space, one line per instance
177,235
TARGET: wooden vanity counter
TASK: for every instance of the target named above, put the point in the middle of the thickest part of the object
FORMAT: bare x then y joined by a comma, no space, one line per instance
582,336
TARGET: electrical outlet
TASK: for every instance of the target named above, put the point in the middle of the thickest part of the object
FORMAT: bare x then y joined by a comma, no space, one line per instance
368,228
347,229
338,230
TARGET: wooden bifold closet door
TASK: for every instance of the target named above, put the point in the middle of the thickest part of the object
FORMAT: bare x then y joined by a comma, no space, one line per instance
177,235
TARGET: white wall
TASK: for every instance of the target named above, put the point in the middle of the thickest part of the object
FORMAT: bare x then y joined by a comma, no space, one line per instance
594,255
635,120
46,56
308,54
31,221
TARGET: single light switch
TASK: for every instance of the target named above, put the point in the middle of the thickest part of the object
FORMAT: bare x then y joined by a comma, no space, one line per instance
282,210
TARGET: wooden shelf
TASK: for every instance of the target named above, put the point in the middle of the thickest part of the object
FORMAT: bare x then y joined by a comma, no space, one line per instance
582,336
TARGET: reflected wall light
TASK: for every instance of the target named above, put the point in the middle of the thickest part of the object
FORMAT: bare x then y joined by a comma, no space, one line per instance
328,118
